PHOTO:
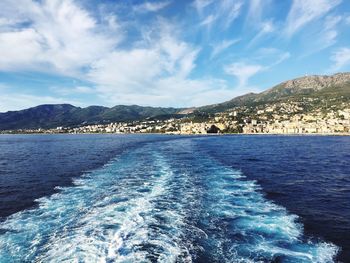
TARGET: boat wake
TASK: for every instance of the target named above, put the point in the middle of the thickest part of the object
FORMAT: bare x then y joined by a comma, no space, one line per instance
166,202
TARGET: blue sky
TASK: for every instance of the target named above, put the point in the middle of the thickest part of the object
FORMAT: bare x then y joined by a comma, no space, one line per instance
164,53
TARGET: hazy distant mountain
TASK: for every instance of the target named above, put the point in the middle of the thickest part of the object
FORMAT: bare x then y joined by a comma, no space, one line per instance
51,116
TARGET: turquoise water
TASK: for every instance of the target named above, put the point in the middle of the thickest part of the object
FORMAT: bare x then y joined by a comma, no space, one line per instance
166,201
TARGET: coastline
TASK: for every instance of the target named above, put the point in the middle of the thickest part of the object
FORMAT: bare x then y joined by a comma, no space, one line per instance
183,134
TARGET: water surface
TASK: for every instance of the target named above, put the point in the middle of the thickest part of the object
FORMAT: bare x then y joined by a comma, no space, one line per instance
167,198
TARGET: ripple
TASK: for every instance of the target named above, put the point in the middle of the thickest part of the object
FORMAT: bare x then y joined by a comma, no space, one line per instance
175,204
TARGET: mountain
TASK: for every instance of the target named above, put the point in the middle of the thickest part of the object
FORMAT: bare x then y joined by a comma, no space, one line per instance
52,116
310,86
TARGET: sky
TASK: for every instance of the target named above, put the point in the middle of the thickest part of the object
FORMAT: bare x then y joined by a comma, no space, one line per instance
173,53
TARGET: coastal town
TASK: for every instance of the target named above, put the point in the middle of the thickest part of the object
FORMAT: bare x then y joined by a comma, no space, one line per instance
285,117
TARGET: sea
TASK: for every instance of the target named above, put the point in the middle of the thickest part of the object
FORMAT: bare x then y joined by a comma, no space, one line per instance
169,198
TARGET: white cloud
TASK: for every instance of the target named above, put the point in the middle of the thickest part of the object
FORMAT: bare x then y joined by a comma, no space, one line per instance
332,21
63,38
22,48
151,6
256,21
303,12
155,66
138,68
156,72
340,58
254,15
223,12
229,10
266,27
58,36
325,37
218,48
177,91
201,4
129,70
243,72
208,20
282,57
328,34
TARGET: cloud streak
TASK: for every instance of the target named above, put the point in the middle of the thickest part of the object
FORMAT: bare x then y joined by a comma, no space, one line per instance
137,54
229,11
218,48
340,58
243,71
60,37
151,6
303,12
266,27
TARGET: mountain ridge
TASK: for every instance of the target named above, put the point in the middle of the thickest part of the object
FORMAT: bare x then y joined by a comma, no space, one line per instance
314,85
54,115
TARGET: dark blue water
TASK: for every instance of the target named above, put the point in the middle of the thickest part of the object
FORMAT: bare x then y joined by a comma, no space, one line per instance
174,199
31,166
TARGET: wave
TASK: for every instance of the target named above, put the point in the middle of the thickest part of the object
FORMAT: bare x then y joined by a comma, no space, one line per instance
165,202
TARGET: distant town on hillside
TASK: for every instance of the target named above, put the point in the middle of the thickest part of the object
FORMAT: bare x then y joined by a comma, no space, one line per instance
307,105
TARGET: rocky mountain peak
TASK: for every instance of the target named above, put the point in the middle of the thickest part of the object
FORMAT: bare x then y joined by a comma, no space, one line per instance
316,82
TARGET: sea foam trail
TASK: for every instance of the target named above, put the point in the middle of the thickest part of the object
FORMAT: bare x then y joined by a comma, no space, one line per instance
109,215
165,202
240,223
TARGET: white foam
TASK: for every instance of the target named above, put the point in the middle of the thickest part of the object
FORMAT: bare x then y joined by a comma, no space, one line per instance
134,208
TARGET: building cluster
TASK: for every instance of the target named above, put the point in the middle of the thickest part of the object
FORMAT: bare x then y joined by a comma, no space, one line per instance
171,126
293,118
147,126
301,123
289,117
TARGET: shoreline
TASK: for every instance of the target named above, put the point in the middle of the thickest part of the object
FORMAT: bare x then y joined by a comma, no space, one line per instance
199,134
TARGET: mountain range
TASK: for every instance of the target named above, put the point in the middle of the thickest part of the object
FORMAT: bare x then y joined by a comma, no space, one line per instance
54,115
337,85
